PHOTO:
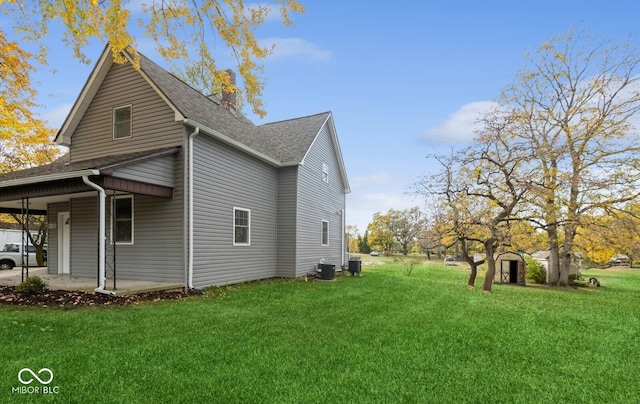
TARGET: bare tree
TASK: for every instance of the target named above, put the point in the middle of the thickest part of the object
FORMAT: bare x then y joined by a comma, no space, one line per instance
454,215
482,186
574,106
502,179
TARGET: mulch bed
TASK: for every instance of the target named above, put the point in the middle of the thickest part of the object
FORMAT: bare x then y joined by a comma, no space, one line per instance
64,298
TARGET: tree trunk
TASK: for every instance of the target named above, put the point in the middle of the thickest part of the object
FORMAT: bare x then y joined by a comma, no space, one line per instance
472,276
567,254
474,265
491,265
40,240
553,269
570,228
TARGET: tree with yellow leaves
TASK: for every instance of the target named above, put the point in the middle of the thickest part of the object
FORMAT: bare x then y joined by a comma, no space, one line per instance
575,104
16,92
183,31
25,140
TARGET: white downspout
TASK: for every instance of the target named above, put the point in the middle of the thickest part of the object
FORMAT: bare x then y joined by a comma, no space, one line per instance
342,254
102,278
190,263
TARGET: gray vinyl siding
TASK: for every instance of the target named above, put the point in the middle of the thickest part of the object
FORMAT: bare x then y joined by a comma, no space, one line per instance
225,178
52,240
84,237
287,210
153,121
318,201
159,171
157,251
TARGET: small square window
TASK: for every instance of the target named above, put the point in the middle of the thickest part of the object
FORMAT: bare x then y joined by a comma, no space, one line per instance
241,226
325,172
122,122
325,232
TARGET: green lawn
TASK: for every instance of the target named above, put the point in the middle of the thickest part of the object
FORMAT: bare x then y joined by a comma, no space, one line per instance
384,337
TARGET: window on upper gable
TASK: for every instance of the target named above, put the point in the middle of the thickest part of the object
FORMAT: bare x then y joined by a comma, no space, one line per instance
122,122
325,172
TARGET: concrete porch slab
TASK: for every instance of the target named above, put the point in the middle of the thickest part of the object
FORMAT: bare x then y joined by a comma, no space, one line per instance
65,282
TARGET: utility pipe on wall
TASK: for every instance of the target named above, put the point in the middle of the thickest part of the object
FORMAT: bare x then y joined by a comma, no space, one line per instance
102,196
190,262
342,246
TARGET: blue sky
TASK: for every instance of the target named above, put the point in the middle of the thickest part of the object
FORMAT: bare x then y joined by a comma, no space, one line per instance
402,79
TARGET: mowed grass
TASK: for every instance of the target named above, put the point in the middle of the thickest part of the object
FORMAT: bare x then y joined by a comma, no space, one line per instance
380,338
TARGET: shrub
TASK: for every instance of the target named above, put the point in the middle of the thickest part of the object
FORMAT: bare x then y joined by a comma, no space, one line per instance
535,271
408,264
32,285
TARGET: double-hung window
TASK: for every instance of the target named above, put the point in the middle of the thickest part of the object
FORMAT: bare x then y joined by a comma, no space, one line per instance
122,122
325,232
241,226
122,220
325,172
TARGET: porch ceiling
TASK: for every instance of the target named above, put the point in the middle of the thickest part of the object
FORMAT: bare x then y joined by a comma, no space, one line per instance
62,180
41,194
39,204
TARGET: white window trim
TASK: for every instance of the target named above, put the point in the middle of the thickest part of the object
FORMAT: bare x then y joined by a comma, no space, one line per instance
113,122
322,233
325,172
233,232
113,241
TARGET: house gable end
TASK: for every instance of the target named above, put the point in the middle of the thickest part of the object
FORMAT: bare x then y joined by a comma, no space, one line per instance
329,127
122,91
151,121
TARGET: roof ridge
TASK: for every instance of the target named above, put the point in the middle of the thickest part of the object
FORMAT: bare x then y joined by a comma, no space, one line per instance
295,119
209,99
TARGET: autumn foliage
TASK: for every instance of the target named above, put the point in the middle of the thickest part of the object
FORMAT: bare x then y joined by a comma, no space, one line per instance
184,32
25,139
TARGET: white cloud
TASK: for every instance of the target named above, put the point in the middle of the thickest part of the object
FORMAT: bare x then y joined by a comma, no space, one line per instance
377,192
56,116
295,48
460,126
362,205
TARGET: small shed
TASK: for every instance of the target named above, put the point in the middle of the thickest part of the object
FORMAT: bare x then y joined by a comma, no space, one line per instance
510,268
543,258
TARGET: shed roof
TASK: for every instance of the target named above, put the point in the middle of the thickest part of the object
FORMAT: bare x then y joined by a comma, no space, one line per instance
63,168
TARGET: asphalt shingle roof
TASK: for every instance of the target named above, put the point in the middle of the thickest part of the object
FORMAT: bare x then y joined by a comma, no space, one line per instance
285,141
62,164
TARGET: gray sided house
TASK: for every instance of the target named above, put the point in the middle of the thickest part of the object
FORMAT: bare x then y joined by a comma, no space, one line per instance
164,184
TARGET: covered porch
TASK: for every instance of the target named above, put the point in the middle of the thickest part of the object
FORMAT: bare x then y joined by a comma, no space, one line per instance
90,209
123,287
